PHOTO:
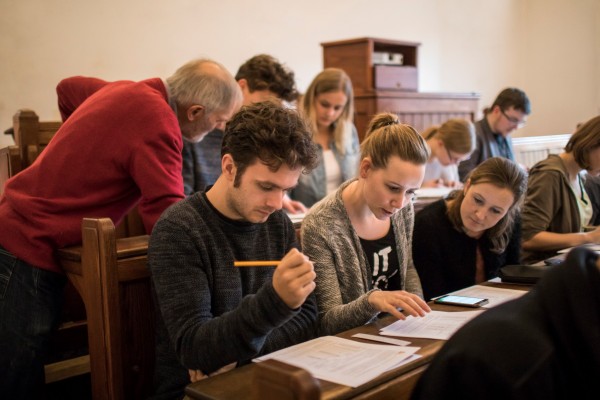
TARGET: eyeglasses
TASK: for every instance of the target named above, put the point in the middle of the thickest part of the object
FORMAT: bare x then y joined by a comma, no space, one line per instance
515,121
453,159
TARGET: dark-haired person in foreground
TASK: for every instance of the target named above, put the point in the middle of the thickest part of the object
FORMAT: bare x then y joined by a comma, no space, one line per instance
212,314
544,345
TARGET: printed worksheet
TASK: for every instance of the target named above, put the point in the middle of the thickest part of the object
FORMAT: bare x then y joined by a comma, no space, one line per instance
343,361
434,325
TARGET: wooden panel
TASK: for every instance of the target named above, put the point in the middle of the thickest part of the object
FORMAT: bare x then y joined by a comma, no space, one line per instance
354,59
355,56
418,109
396,77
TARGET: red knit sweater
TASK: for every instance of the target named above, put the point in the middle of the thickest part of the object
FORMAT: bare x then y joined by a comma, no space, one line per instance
120,144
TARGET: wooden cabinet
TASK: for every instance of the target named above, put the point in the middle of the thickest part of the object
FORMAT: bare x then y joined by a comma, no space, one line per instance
384,76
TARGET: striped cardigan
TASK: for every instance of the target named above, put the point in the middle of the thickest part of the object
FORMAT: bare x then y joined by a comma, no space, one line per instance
343,274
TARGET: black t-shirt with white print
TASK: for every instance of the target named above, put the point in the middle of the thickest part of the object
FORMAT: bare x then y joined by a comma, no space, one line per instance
383,261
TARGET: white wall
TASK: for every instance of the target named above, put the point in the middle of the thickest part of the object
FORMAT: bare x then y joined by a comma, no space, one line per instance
549,48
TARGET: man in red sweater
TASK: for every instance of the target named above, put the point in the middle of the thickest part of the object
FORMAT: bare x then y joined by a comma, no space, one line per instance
120,145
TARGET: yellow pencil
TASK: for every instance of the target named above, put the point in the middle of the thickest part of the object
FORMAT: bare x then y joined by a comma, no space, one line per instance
256,263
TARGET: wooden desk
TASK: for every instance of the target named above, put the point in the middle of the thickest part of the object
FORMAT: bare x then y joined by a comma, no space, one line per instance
394,384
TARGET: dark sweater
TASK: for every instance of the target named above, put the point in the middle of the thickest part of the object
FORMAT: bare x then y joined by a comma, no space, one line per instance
445,258
216,314
202,162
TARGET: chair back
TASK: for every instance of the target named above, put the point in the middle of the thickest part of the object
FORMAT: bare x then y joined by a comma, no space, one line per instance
112,277
31,135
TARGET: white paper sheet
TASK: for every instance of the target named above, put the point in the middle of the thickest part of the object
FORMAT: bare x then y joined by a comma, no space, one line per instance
432,192
434,325
377,338
296,217
342,361
495,295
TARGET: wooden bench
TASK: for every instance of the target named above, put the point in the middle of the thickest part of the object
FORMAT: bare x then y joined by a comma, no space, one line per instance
113,280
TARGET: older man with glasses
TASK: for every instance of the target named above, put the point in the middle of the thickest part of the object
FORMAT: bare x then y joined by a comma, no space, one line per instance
509,112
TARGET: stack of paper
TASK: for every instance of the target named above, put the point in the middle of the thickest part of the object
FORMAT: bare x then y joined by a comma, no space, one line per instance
343,361
434,325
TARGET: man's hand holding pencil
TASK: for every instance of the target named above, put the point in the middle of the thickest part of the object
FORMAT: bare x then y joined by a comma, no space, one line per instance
294,278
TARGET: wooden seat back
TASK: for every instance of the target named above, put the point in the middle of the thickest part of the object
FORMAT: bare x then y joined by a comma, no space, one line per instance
113,280
31,135
277,380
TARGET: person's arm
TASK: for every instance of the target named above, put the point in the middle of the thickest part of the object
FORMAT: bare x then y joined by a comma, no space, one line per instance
541,205
74,91
183,286
293,206
334,315
544,241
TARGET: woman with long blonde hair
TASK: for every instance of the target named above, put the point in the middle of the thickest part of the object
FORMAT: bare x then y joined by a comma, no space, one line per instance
328,104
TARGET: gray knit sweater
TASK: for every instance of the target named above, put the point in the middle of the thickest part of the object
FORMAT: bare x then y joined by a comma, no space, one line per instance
343,275
211,313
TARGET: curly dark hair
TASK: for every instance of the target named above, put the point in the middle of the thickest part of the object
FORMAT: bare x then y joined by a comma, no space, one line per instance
263,72
512,97
273,134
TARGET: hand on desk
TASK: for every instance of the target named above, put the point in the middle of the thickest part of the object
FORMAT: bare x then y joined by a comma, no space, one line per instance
593,235
293,206
197,375
390,301
294,278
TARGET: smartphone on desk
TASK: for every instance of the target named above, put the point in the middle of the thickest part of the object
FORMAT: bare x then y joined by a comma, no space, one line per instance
464,301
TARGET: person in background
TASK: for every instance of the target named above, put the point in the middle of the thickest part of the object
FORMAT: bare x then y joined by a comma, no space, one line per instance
359,237
543,345
329,106
508,112
261,78
557,207
592,187
211,314
120,145
465,239
450,143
